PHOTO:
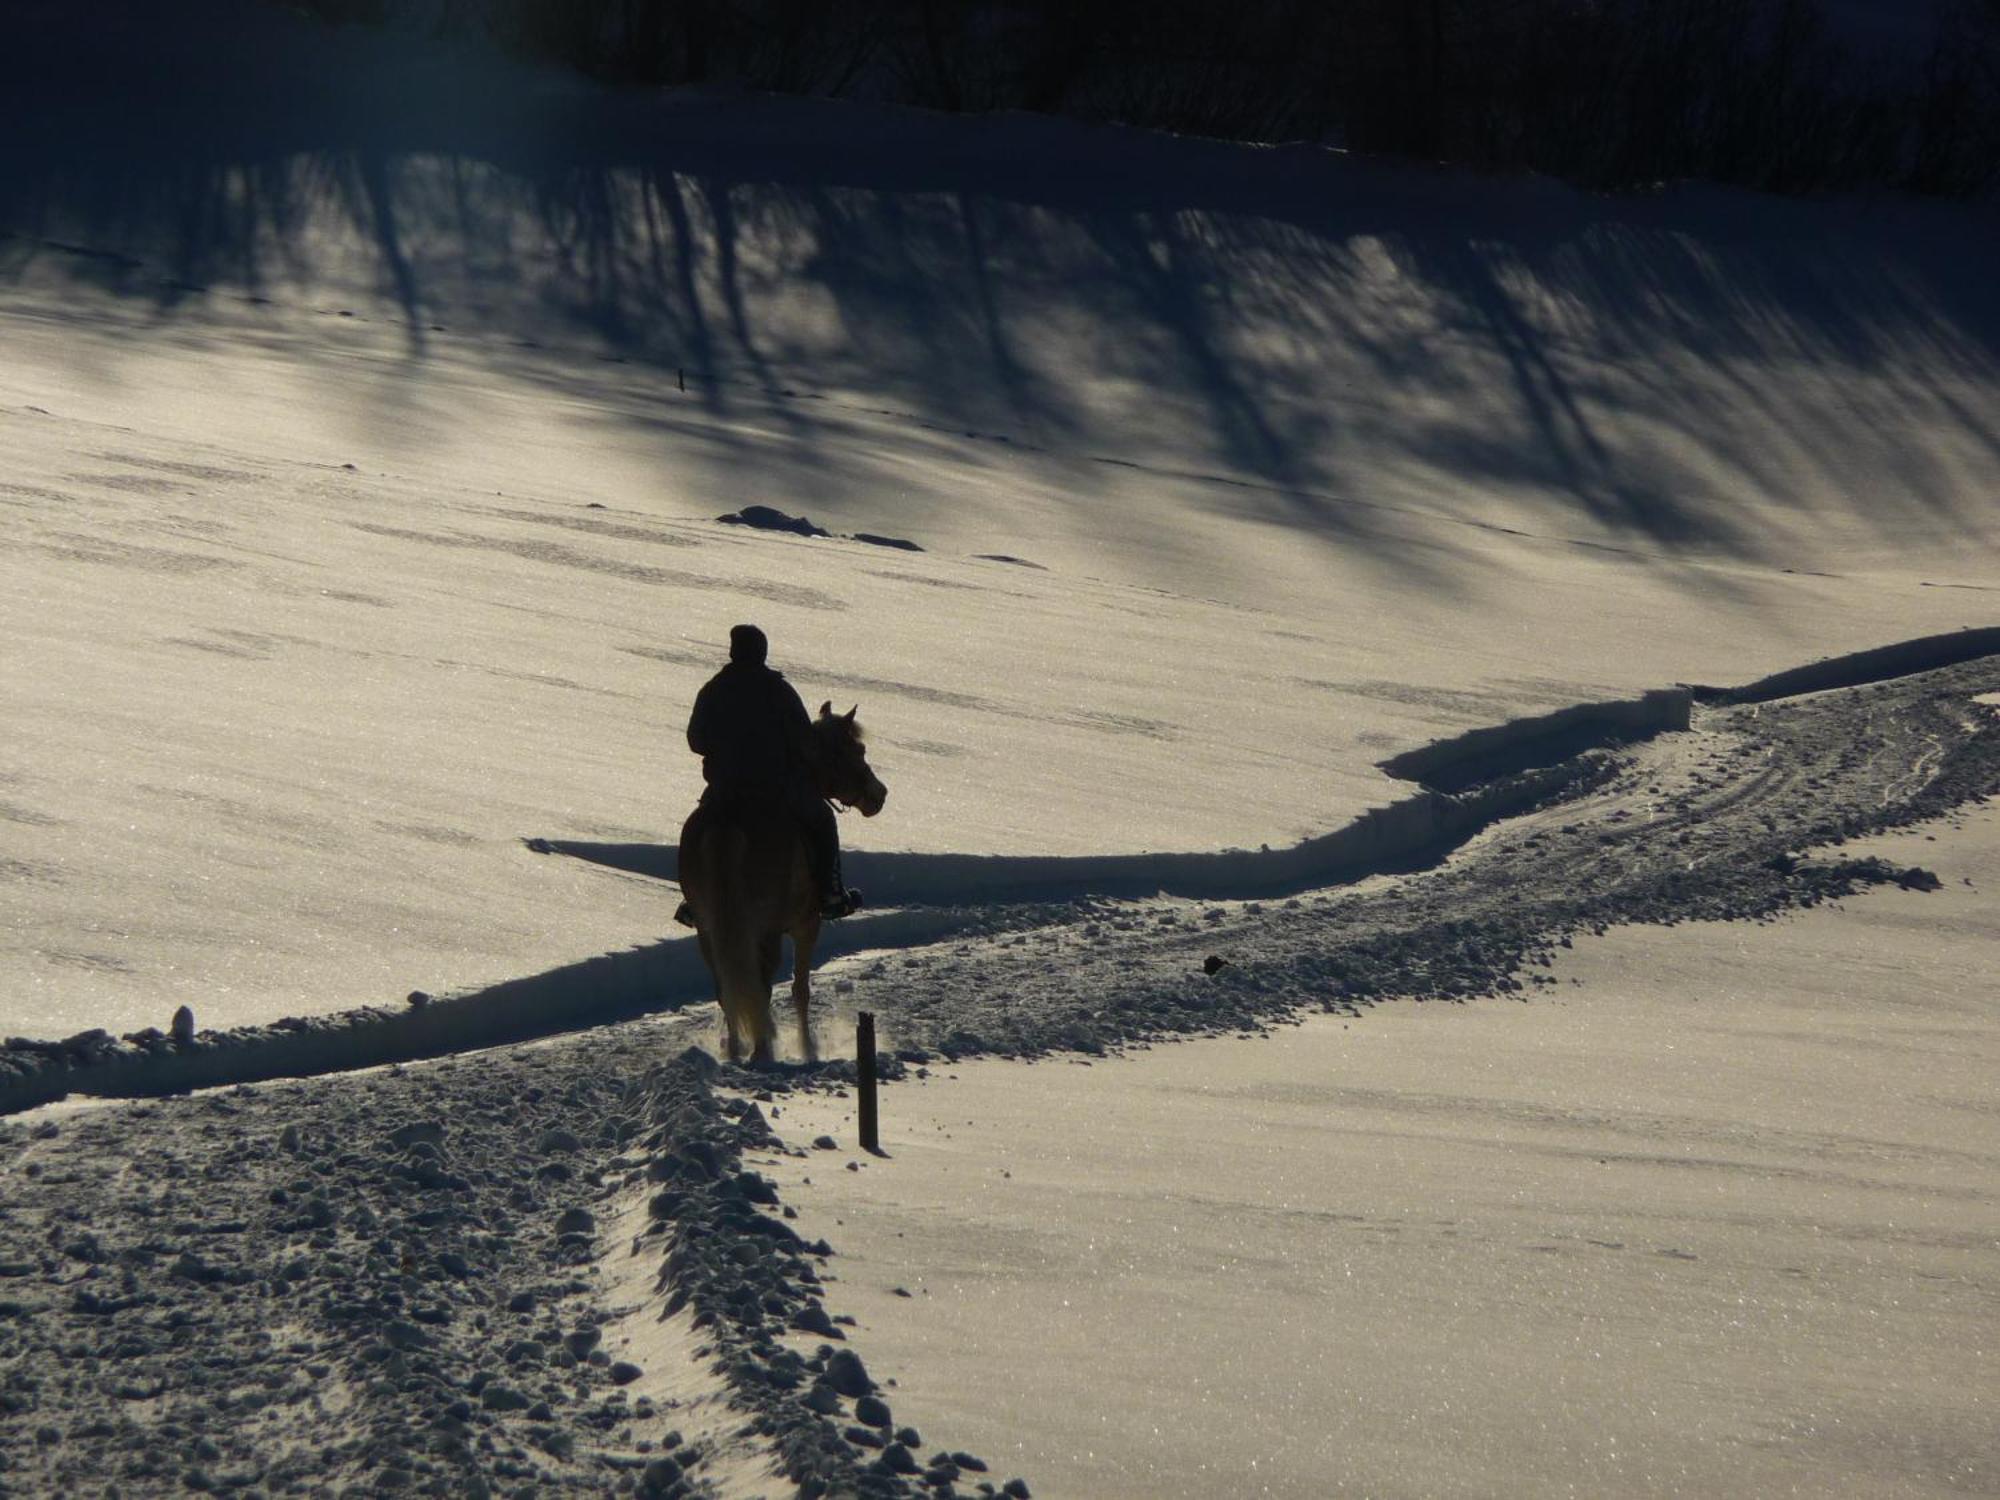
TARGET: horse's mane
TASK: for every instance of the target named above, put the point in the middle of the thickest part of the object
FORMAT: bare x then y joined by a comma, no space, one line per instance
850,728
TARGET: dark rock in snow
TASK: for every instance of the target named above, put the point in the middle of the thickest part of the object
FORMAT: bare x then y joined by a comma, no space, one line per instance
766,518
812,1318
846,1374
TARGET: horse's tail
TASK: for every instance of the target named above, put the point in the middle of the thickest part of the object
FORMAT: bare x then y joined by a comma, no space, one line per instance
731,937
743,985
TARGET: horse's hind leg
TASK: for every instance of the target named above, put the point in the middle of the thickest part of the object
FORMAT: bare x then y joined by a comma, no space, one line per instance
760,1016
803,940
732,1044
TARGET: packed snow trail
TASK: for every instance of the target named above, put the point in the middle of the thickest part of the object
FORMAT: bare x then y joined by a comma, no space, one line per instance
1711,824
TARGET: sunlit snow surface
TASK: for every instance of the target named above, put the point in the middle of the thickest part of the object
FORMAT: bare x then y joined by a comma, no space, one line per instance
361,444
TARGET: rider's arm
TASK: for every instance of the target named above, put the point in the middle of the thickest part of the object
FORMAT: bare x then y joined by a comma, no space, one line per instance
698,722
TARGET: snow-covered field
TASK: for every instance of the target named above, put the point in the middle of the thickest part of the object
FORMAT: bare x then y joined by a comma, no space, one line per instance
1718,1216
364,431
358,526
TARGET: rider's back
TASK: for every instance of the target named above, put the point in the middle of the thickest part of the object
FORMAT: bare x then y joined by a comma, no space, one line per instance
748,727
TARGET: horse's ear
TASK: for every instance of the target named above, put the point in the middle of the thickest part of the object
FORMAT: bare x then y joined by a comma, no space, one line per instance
852,712
826,709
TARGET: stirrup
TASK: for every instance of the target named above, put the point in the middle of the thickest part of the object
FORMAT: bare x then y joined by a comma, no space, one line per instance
684,914
838,904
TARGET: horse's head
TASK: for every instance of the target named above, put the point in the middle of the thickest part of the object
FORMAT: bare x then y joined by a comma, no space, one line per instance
843,762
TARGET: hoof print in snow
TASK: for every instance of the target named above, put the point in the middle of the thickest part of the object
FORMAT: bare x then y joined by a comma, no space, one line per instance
766,518
417,1133
498,1397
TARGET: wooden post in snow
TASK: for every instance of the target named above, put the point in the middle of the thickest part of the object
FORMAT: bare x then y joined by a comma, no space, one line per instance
864,1070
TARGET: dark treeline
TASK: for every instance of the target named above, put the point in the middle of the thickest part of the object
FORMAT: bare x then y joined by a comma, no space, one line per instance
1607,93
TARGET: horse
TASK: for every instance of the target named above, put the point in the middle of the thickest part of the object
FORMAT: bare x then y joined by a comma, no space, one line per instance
748,885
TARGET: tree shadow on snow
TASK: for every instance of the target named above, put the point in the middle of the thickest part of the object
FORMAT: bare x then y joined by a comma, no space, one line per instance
1284,320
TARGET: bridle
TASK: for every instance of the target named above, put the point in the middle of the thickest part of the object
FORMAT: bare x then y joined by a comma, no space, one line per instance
833,799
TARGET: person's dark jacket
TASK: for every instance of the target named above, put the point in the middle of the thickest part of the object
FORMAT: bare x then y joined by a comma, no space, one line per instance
751,730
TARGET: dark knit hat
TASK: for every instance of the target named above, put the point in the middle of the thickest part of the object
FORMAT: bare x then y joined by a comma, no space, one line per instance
747,645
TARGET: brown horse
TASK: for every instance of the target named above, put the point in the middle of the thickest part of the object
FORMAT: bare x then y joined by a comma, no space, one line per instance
748,886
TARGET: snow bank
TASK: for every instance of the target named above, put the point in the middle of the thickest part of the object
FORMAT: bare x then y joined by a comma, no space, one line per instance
1859,667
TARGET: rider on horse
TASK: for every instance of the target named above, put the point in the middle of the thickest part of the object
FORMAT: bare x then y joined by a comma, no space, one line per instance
754,737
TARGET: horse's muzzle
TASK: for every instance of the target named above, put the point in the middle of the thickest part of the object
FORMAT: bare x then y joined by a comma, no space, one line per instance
872,803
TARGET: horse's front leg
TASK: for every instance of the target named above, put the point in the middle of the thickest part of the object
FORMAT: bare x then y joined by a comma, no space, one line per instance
803,940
